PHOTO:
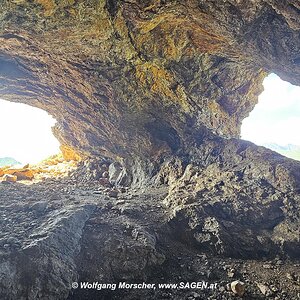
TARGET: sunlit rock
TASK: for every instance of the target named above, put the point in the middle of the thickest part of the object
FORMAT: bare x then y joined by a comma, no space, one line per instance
9,178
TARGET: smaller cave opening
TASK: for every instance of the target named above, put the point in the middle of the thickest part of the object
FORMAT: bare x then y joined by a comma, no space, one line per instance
26,133
275,121
29,152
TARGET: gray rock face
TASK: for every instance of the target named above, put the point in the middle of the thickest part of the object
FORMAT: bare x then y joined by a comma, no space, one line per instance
48,245
39,207
41,265
114,170
197,228
122,250
238,202
118,175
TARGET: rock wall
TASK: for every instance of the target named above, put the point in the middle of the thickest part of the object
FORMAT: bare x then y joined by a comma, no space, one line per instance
162,87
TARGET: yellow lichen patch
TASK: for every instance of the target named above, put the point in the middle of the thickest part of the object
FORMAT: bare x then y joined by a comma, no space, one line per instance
158,79
161,82
48,5
172,35
69,154
72,11
102,29
182,99
150,25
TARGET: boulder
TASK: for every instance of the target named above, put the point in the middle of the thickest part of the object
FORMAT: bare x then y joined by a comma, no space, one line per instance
9,178
113,193
21,174
39,207
25,174
118,175
238,288
114,171
265,290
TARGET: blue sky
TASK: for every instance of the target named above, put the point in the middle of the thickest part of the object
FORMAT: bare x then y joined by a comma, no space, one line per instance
276,117
25,133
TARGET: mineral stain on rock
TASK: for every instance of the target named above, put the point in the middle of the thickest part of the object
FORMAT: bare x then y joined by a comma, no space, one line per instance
150,95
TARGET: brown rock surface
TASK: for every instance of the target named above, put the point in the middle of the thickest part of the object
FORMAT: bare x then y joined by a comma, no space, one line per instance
144,77
154,93
69,154
9,178
21,174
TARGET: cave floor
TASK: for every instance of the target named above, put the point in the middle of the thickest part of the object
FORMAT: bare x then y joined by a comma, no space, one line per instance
131,231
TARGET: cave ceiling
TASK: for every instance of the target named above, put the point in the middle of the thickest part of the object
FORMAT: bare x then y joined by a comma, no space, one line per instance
145,78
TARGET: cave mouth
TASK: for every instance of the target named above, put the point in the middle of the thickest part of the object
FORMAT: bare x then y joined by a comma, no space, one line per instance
26,134
275,120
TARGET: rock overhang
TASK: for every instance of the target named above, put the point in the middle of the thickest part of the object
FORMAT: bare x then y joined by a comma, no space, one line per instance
143,78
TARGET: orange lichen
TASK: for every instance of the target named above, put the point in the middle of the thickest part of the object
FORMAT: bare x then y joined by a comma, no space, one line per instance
48,5
20,173
176,33
69,153
162,83
158,78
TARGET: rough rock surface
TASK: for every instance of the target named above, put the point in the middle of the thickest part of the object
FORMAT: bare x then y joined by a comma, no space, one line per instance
143,78
158,88
55,233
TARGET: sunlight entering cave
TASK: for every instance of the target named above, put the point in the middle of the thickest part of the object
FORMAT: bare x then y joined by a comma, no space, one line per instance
275,120
25,133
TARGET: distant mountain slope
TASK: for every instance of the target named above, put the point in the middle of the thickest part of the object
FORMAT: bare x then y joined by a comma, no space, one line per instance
291,151
8,161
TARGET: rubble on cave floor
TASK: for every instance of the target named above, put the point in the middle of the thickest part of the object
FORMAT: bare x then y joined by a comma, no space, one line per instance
78,223
53,167
187,224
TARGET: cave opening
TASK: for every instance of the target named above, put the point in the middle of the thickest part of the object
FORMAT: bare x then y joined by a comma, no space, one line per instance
275,120
26,134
